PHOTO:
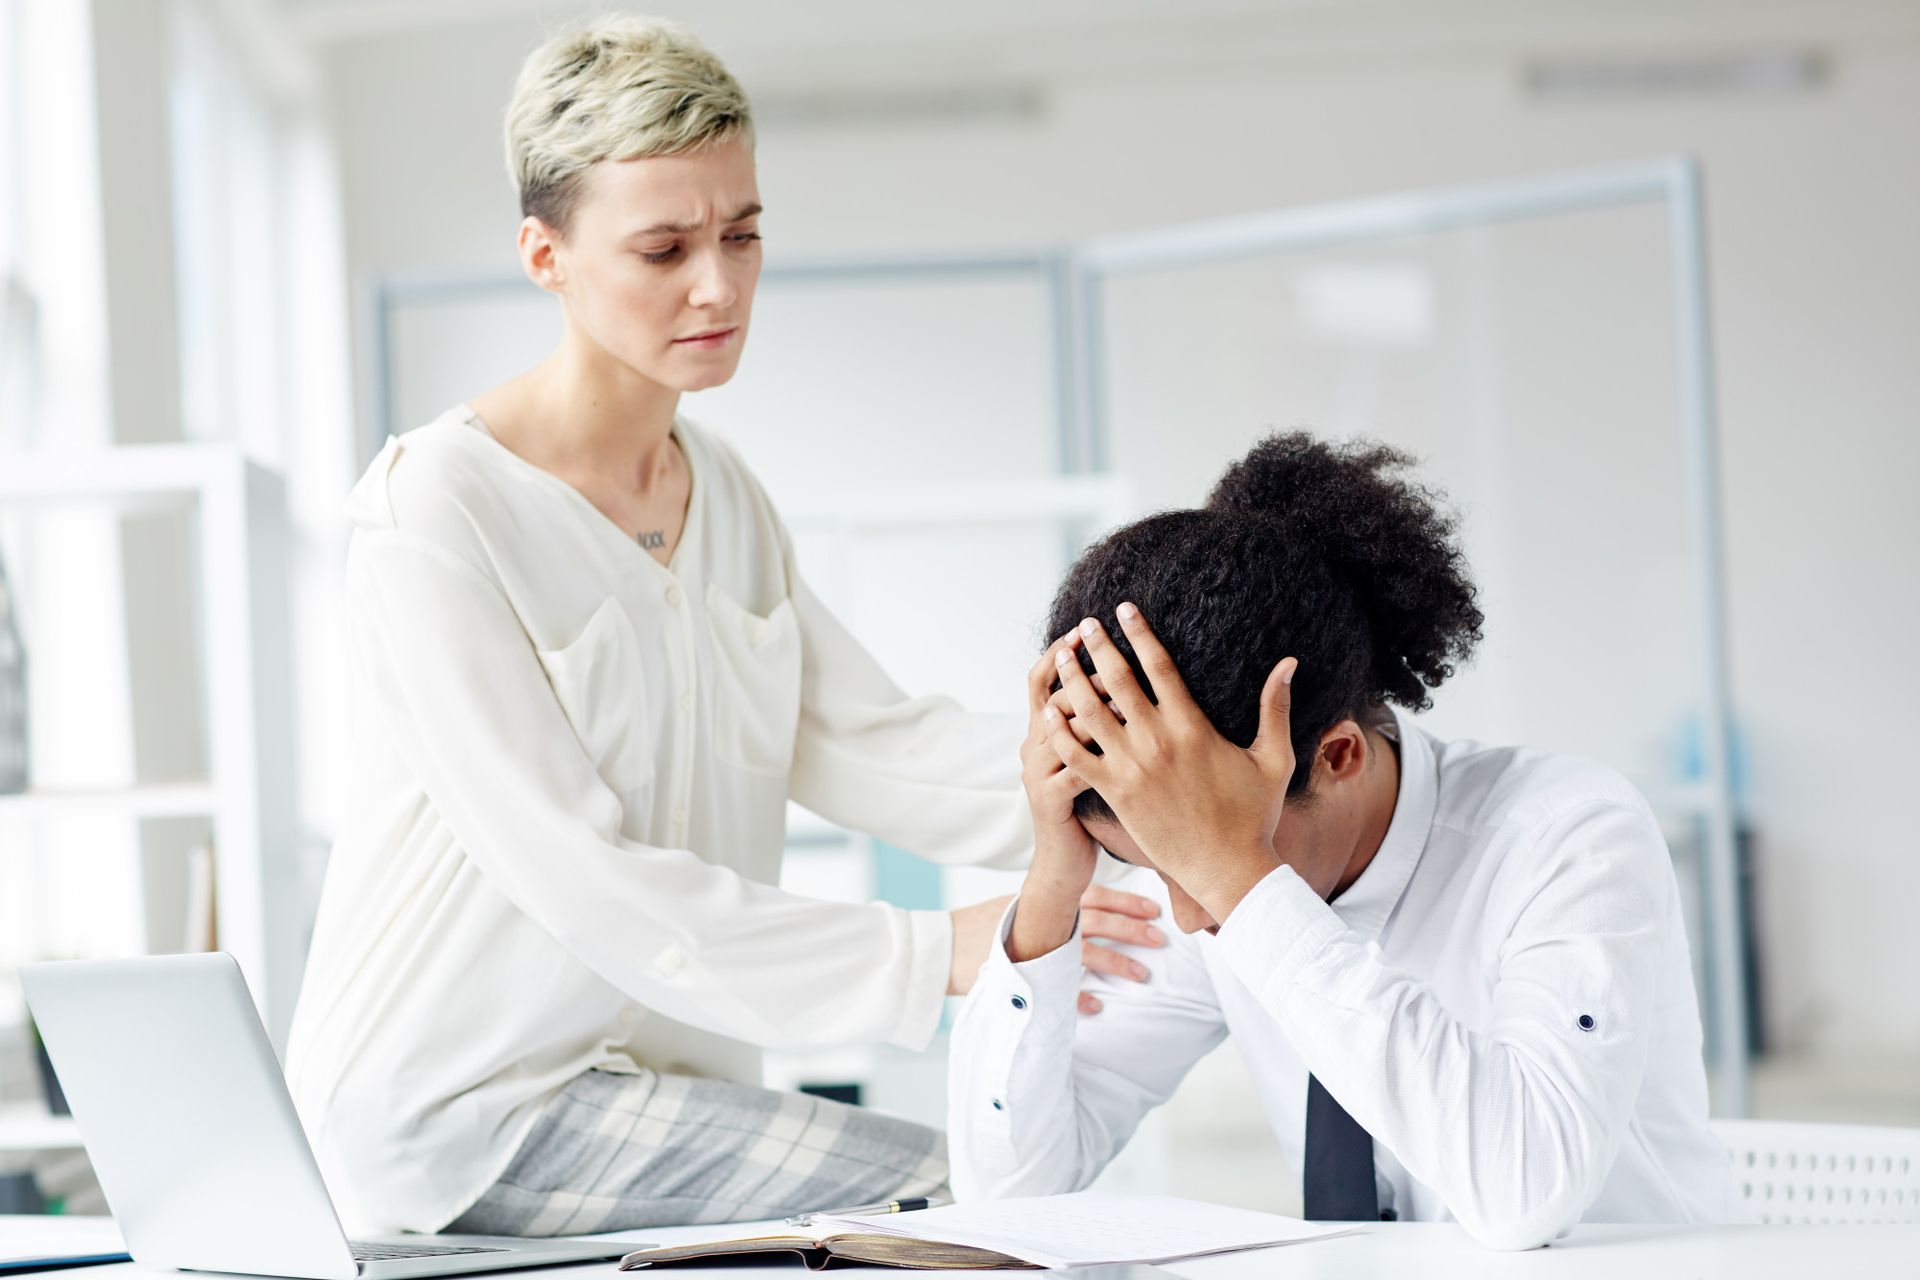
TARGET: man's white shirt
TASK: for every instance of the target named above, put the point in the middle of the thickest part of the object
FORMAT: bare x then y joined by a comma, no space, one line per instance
1504,1000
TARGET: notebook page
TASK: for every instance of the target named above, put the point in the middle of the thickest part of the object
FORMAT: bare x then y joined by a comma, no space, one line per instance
43,1237
1089,1227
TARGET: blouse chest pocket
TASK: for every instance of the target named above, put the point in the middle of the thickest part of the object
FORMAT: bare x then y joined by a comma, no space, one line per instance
757,684
599,681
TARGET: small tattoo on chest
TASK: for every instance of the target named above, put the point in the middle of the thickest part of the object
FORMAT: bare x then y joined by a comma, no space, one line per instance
652,539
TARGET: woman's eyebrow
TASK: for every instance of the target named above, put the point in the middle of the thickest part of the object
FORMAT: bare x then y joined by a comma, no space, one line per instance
683,228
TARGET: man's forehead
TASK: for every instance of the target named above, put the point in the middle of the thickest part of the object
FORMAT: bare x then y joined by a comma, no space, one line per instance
1113,838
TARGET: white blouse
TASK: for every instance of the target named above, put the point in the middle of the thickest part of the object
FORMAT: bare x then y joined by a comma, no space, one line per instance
562,846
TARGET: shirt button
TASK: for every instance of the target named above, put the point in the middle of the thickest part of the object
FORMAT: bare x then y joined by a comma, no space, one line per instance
680,819
670,962
673,596
627,1016
997,1106
1019,1002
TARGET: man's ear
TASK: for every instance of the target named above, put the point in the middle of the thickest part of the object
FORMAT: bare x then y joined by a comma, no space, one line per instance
1342,756
539,254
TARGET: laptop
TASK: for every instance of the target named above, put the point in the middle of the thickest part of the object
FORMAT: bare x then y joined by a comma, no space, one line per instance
194,1137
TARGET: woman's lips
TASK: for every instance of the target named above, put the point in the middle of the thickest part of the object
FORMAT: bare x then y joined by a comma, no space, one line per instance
709,340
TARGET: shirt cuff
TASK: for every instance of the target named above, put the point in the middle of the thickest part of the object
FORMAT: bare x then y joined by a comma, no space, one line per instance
1279,928
1043,990
1045,977
930,965
1037,997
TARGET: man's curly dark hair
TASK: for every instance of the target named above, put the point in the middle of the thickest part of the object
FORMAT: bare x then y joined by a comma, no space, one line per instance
1325,552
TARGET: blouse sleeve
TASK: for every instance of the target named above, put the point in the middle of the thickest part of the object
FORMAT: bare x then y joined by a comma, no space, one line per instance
453,679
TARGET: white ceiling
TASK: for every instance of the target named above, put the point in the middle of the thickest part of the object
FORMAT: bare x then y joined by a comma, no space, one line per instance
910,39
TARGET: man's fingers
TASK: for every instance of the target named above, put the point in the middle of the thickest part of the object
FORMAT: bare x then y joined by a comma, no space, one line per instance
1078,760
1044,672
1154,658
1121,685
1088,706
1089,1002
1118,928
1066,781
1103,960
1100,898
1273,744
1064,705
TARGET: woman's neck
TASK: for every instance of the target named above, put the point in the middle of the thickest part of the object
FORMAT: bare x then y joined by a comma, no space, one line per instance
581,412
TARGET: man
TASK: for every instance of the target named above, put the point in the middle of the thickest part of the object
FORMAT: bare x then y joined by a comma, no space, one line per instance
1460,972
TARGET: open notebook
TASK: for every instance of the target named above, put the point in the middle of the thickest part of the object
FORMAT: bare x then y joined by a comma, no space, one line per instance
1082,1229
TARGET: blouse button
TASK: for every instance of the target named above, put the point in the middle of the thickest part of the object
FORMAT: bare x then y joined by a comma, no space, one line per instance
1019,1002
673,596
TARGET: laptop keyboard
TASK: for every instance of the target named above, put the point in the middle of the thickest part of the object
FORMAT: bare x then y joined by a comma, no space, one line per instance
387,1252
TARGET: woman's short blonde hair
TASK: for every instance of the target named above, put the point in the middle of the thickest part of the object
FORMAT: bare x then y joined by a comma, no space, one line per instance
620,88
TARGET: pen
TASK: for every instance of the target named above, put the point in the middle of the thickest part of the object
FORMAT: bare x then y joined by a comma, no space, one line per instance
890,1206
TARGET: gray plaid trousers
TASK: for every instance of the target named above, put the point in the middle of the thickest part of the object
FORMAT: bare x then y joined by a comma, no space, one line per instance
619,1152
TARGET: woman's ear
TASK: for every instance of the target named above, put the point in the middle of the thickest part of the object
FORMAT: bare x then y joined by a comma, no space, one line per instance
539,254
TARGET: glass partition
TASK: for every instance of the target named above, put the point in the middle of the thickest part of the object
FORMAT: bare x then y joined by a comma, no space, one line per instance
944,435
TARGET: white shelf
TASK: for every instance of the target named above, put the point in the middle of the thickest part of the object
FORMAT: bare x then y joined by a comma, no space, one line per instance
163,800
240,550
30,1128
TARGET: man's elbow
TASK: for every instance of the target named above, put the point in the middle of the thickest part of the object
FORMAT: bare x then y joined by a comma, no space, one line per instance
983,1167
973,1179
1512,1234
1524,1221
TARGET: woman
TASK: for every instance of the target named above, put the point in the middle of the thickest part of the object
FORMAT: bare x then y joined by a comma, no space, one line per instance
588,679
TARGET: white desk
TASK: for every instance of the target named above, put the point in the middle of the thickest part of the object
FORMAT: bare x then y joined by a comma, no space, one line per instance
1424,1251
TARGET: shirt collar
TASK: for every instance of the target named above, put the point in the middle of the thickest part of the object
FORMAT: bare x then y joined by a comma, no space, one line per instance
1368,901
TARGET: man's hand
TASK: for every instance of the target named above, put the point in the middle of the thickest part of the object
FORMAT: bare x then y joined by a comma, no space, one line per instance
1064,854
1203,809
1060,878
1059,888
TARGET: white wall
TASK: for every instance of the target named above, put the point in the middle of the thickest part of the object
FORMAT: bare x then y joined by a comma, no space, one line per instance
1814,199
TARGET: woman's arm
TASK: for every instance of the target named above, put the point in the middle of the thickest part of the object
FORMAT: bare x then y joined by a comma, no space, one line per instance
446,668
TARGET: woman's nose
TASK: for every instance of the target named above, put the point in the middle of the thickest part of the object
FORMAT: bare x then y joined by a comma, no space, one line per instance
713,286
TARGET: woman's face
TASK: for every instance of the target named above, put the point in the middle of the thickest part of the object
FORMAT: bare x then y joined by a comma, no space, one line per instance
659,264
